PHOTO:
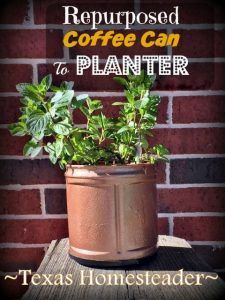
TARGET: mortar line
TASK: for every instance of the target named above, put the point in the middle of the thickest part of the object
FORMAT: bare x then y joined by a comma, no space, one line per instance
23,245
171,225
202,26
33,217
42,201
184,93
191,214
102,61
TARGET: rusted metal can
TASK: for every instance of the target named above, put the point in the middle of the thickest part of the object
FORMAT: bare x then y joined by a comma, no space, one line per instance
112,212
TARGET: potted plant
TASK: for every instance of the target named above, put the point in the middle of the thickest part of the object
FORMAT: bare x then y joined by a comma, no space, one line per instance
110,178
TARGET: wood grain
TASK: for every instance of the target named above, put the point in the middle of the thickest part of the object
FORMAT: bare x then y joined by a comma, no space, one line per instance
173,254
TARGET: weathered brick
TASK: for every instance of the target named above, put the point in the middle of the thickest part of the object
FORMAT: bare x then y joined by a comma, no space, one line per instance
198,39
31,44
14,12
197,140
55,201
52,12
219,43
104,52
200,228
197,170
201,76
13,259
10,106
214,256
219,12
189,12
20,202
160,172
32,231
14,74
201,109
163,226
112,111
11,145
37,171
208,199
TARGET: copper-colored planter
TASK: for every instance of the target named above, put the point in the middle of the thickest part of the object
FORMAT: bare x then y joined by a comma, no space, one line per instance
112,212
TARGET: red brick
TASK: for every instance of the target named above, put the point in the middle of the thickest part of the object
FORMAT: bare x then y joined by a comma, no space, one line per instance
215,256
162,111
52,12
13,289
112,111
20,202
201,76
10,106
14,74
207,199
11,145
14,12
104,52
219,12
163,226
32,231
197,140
189,12
37,171
31,44
195,43
200,109
197,170
160,172
219,43
200,228
55,201
13,259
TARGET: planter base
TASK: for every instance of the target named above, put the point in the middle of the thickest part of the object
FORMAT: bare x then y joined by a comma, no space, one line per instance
112,213
108,264
113,263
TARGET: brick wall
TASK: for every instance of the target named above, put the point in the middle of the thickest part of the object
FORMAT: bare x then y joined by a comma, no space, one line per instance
191,187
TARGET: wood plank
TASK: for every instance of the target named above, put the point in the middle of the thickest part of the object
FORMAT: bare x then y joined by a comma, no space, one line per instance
173,254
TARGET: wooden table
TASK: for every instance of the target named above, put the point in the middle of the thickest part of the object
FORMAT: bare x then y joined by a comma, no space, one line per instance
173,255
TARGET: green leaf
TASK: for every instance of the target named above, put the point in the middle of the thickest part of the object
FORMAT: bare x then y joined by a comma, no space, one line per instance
17,129
121,81
58,147
141,103
46,82
94,105
22,86
62,127
38,136
69,149
30,90
78,101
31,149
67,85
118,103
130,97
82,97
62,98
123,129
51,151
37,121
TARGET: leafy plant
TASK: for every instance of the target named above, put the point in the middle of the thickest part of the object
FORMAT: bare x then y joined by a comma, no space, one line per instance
47,117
